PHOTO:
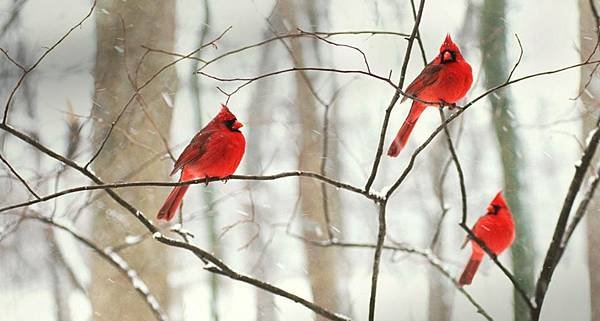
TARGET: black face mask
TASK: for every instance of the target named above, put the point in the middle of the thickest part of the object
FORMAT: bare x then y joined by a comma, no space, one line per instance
229,125
451,59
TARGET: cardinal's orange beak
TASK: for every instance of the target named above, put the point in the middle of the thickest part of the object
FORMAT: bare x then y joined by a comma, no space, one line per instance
237,125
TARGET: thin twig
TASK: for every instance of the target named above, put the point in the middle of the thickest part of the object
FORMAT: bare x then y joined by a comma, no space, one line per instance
461,175
137,92
248,80
13,60
295,35
518,60
371,32
19,177
133,81
418,37
298,34
324,158
362,53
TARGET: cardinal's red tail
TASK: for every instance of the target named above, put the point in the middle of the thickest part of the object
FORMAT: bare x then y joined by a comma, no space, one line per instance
469,272
402,137
167,211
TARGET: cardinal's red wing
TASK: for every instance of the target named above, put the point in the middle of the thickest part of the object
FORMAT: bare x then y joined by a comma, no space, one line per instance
193,151
427,77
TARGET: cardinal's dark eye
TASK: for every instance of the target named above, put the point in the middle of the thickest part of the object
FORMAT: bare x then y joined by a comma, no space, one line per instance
229,123
496,209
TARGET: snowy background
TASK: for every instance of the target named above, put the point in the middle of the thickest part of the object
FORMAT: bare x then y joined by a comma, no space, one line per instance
547,121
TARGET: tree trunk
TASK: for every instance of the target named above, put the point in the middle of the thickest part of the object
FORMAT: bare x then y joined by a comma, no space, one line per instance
441,293
259,125
588,38
495,63
206,193
322,262
122,27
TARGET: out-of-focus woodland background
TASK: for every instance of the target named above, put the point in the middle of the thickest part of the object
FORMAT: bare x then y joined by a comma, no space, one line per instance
120,96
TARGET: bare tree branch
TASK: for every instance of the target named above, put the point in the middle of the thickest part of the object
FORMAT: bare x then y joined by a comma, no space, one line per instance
581,210
382,230
362,53
461,175
425,253
102,186
38,61
13,60
395,98
382,205
553,254
115,260
215,265
221,268
294,35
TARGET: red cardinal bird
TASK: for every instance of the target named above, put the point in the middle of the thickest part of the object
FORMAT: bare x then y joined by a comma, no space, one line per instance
444,80
215,151
496,229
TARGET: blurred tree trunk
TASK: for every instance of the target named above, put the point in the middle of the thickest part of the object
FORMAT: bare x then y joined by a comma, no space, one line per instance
61,286
441,294
496,68
588,38
206,193
259,125
321,262
134,140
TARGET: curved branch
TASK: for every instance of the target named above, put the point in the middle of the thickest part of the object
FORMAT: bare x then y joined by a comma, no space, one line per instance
115,260
271,177
249,80
19,177
201,254
218,267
